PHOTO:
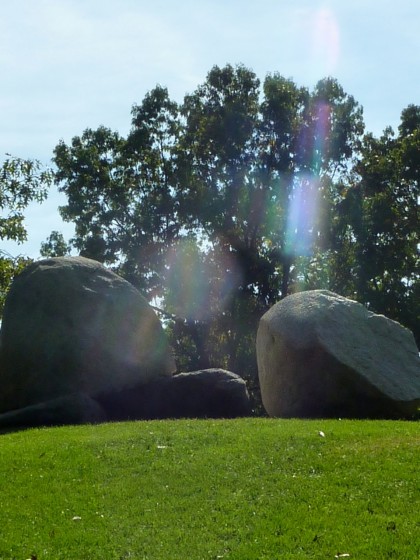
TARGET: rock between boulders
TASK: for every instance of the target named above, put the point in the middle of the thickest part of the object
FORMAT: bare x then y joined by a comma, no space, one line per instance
210,393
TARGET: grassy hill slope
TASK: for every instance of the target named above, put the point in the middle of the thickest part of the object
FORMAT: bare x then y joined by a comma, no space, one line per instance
195,490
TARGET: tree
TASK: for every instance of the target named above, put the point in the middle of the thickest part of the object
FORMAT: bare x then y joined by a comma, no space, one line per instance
22,181
262,183
379,224
120,192
244,193
55,246
230,192
10,266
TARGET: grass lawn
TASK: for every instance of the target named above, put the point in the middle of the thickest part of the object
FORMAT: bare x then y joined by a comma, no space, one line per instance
201,489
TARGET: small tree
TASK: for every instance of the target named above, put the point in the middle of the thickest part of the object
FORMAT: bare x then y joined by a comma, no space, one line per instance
22,181
55,246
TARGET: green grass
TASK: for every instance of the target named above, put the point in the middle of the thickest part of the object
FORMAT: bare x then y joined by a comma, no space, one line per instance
196,490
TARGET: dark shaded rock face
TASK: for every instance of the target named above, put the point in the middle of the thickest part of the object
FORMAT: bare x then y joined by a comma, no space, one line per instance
322,355
73,409
72,326
211,393
80,345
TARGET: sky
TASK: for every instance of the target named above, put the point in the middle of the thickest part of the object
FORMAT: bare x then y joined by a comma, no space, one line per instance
68,65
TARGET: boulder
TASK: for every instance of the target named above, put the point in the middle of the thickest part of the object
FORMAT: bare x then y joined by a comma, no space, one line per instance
72,326
210,393
322,355
73,409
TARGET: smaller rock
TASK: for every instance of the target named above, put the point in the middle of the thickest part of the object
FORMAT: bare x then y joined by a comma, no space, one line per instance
210,393
74,409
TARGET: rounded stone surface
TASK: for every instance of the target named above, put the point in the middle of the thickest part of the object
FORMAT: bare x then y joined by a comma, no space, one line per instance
70,326
320,354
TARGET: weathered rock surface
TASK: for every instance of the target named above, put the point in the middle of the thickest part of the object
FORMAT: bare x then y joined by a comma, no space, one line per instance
322,355
73,409
72,326
210,393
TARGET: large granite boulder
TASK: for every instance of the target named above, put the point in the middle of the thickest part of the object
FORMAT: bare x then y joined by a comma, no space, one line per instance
72,326
322,355
209,393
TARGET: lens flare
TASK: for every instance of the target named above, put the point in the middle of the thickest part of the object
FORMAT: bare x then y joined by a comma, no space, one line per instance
321,134
199,284
303,224
325,41
301,231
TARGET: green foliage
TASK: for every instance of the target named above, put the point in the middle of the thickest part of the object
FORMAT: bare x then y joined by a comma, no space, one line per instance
55,246
196,200
9,268
249,488
120,192
21,182
378,217
219,206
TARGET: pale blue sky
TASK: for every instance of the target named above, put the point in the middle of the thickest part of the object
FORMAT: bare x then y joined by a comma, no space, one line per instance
66,65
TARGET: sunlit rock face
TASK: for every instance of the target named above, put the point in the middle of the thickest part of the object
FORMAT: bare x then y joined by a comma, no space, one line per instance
72,326
322,355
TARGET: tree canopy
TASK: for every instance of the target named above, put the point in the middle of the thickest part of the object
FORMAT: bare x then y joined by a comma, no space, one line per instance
247,191
221,205
22,181
378,235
